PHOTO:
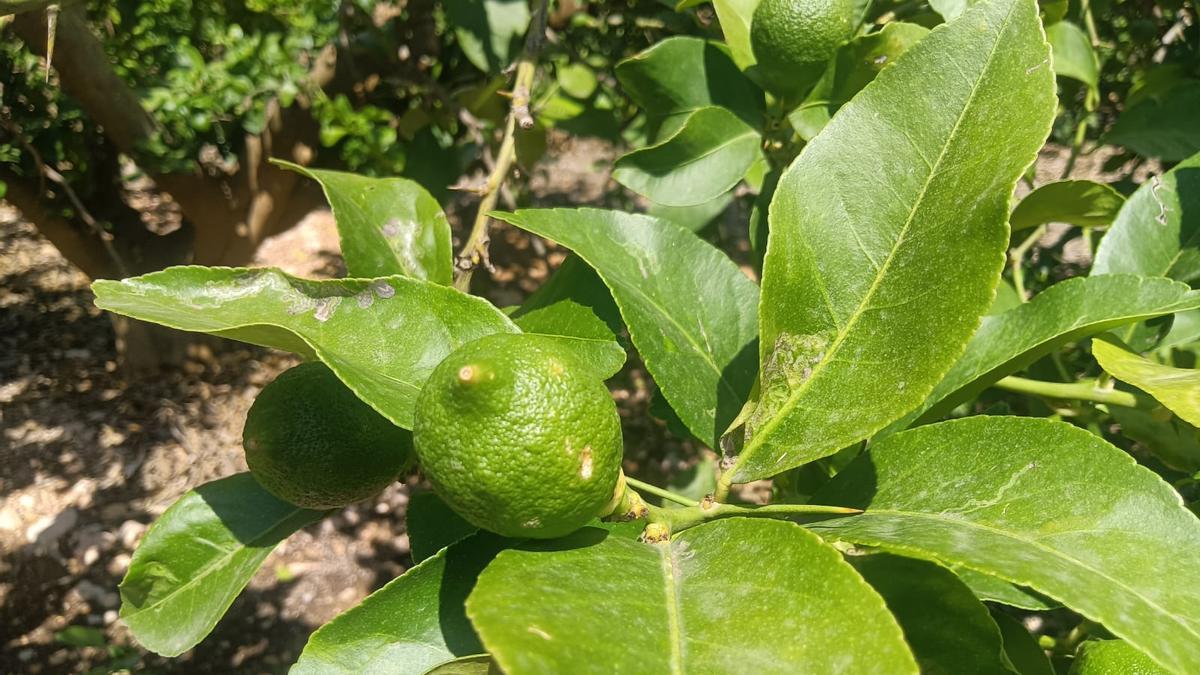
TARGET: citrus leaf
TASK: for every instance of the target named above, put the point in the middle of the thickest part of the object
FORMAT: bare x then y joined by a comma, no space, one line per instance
1162,126
476,664
989,588
948,628
382,337
488,31
1157,232
950,9
1072,54
1106,657
1022,649
1008,342
1042,504
1176,388
706,157
432,525
695,217
735,17
861,315
198,556
1174,442
680,75
413,624
598,603
854,66
1078,202
691,312
386,225
577,328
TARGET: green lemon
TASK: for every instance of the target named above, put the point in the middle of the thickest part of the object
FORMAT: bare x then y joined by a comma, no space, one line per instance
310,441
519,437
793,39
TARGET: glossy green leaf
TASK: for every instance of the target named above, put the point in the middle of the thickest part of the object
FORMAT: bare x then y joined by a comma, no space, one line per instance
576,79
1022,649
691,312
386,225
590,603
1078,202
735,17
861,314
488,31
576,283
432,525
1113,657
989,588
950,9
1173,441
1162,126
1157,232
1042,504
198,556
695,217
1072,54
409,626
680,75
382,337
1176,388
577,328
854,66
706,157
947,627
476,664
1067,311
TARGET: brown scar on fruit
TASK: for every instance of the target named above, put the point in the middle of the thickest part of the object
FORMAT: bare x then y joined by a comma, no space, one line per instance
585,462
466,374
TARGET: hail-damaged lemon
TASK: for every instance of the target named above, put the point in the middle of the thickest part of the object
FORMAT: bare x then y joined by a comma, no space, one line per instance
519,437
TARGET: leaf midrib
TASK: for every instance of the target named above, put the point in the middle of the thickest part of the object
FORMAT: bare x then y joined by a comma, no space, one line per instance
674,623
218,561
758,440
1040,546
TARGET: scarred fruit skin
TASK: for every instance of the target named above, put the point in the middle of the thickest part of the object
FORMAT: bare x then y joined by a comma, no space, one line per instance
793,39
518,437
311,442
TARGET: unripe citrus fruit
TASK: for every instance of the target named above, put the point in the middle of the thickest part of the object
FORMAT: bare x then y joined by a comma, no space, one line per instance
310,441
793,39
518,436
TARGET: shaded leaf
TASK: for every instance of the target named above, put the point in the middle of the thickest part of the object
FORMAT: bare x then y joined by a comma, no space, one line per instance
680,75
947,627
1162,126
488,31
386,225
1174,442
432,525
853,67
602,604
353,325
950,9
197,557
861,316
695,217
1041,504
706,157
1022,649
577,328
477,664
1067,311
1176,388
412,624
989,588
691,312
1078,202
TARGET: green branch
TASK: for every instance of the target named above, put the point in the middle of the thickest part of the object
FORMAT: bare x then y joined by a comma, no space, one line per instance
1083,390
660,492
674,520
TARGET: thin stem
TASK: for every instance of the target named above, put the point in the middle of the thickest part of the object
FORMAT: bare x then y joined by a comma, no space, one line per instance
475,250
660,492
1083,390
681,519
1018,257
1076,146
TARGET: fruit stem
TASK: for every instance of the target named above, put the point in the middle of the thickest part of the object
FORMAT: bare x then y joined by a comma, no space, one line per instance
1083,390
660,492
682,519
